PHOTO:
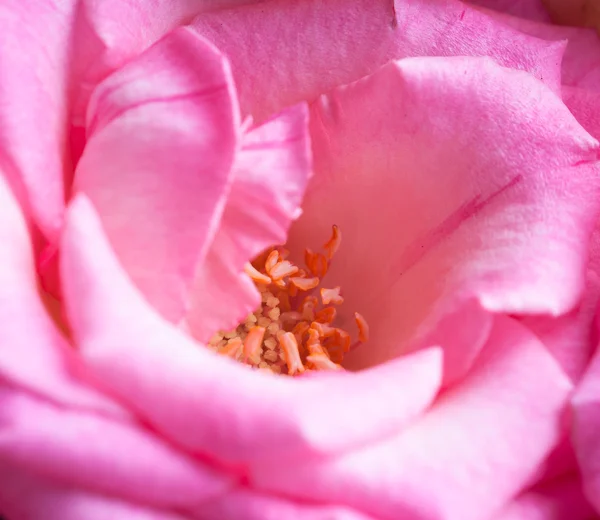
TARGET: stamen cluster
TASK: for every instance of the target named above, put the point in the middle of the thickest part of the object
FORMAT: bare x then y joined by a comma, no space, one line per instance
293,330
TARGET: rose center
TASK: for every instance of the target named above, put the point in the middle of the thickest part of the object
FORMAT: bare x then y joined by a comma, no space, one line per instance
293,331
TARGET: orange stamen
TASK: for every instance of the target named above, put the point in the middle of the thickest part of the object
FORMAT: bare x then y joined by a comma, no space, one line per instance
305,284
363,327
316,262
326,315
282,269
331,296
322,362
290,316
289,333
333,244
253,342
325,331
271,260
291,353
300,328
232,349
344,339
256,275
284,301
314,344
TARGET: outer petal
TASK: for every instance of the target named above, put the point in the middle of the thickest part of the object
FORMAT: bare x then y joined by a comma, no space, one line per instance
586,423
555,501
163,135
116,31
581,61
27,497
585,106
35,50
530,9
210,404
451,202
107,456
344,40
572,338
249,505
475,449
270,175
33,353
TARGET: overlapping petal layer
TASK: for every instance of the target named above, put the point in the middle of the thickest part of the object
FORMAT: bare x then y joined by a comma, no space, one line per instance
163,133
453,203
34,83
210,404
341,41
270,175
586,422
482,440
46,365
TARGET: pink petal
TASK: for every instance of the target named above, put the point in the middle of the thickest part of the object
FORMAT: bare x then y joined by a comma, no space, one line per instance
555,501
114,32
34,354
210,404
163,134
451,203
27,497
571,338
530,9
581,60
249,505
473,451
344,40
586,424
270,175
107,456
35,50
584,104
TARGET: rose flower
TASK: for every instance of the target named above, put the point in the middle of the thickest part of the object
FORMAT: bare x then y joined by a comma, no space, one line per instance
290,260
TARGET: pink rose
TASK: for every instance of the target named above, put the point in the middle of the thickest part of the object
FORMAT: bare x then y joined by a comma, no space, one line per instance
151,150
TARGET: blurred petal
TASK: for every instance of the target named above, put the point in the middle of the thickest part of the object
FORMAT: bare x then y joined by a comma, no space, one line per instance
530,9
36,52
586,424
163,135
25,496
344,40
249,505
210,404
575,12
555,501
94,452
452,203
270,175
584,104
33,353
472,452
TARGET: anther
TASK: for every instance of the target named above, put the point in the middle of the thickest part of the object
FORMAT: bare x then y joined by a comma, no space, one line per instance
291,353
333,244
363,327
326,315
305,284
253,342
322,362
256,275
331,296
